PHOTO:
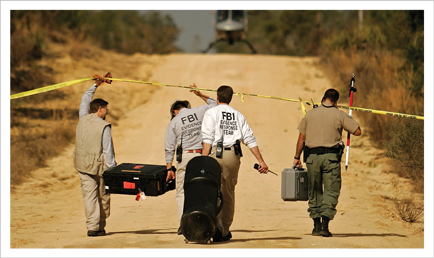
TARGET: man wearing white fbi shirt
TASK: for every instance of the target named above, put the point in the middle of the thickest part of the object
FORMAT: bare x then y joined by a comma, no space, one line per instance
223,128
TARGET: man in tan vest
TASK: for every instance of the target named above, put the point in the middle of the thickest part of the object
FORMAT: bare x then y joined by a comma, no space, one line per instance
93,154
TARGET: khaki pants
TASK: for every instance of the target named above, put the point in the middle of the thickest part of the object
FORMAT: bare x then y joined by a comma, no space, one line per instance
180,177
323,171
96,201
230,164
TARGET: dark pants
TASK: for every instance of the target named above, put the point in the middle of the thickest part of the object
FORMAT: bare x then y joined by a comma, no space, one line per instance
324,175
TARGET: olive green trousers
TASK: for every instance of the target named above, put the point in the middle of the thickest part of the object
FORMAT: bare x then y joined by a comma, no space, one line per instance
324,175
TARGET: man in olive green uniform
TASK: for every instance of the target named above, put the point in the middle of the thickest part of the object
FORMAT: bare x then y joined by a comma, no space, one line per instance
321,130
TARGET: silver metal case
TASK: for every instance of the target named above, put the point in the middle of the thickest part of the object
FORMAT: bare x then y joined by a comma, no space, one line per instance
295,185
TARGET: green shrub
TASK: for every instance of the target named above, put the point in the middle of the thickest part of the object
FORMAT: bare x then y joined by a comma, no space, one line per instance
130,32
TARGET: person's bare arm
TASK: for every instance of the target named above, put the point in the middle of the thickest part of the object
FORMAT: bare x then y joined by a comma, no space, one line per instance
358,132
263,167
206,149
299,150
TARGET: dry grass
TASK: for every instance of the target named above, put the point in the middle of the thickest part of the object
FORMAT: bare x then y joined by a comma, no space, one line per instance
408,210
382,84
30,147
43,125
406,205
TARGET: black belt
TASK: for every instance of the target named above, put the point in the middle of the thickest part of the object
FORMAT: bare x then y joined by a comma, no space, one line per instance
323,150
227,148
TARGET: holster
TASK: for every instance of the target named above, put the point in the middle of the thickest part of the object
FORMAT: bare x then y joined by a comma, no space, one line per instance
237,148
341,150
179,153
219,150
305,152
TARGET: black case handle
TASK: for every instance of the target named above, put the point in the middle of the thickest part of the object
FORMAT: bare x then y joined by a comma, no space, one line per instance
297,169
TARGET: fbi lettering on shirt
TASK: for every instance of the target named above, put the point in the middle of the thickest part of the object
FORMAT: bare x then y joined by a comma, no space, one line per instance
191,125
228,123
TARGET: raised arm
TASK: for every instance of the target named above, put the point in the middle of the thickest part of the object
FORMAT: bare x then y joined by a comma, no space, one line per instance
88,95
86,99
198,93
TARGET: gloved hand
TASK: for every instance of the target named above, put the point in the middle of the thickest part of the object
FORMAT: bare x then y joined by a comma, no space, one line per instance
99,80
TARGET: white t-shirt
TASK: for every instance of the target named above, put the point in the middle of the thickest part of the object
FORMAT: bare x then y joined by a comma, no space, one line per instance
223,122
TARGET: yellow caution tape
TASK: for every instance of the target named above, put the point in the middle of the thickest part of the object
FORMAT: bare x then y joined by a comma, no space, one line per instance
73,82
303,109
49,88
381,112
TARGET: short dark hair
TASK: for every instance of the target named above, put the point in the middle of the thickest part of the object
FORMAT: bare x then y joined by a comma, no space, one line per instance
96,103
332,95
179,105
224,93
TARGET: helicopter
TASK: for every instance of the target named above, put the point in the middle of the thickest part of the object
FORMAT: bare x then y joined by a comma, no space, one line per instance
230,26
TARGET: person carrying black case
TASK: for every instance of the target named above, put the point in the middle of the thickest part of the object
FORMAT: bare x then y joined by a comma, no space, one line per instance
183,139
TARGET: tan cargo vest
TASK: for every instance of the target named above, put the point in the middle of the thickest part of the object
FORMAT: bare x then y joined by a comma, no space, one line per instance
88,152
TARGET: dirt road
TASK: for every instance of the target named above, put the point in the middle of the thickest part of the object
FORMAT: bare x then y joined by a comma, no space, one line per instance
47,212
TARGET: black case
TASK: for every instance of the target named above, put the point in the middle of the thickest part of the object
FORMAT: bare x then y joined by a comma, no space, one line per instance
127,178
202,199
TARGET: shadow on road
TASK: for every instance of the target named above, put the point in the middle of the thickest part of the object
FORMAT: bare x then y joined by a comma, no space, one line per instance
260,239
146,232
172,231
367,235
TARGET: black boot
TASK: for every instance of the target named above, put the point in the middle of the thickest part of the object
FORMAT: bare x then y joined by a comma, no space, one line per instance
316,226
325,227
217,236
94,233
